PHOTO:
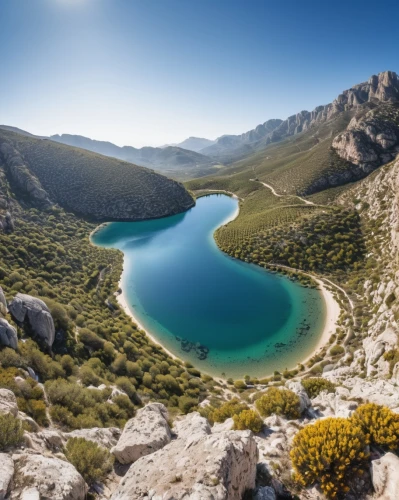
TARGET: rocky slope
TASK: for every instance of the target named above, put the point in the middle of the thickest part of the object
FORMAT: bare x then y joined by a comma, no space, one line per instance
92,185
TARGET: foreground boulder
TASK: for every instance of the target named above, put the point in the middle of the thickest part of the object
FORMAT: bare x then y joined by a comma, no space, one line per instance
8,334
33,313
48,478
147,432
218,466
385,477
8,402
6,474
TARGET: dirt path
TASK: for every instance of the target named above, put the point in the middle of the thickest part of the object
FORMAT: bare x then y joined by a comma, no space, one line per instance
307,202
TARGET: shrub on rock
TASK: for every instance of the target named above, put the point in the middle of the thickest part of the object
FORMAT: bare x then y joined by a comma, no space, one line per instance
280,402
11,431
379,423
314,386
248,419
92,461
329,453
228,410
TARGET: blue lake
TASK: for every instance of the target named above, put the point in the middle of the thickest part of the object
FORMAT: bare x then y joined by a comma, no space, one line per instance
227,317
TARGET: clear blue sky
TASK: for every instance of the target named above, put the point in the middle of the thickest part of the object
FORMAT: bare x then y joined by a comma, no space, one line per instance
149,72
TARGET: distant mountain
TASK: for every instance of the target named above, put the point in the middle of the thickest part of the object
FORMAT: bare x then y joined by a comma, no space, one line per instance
167,158
95,186
195,144
17,130
227,145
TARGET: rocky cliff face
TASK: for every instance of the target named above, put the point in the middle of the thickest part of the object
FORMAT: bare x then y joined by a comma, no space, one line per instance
371,139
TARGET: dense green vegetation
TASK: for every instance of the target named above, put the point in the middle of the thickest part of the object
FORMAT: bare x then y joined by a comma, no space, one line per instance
89,184
323,242
49,255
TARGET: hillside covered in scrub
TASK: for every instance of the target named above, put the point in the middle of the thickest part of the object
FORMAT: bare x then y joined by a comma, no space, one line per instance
87,399
88,184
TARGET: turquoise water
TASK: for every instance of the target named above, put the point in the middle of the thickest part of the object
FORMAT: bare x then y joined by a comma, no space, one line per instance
227,317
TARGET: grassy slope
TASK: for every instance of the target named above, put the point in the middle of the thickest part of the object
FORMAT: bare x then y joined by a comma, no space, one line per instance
97,186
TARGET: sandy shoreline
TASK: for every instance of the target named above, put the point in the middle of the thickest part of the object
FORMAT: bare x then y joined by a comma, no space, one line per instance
332,312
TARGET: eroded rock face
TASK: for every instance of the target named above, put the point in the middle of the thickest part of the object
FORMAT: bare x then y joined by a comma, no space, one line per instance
3,302
385,477
22,176
33,313
51,477
370,140
265,493
8,402
8,334
6,474
218,466
146,433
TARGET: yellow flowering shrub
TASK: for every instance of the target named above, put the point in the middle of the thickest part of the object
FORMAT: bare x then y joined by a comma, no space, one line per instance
279,401
228,410
248,419
330,453
379,423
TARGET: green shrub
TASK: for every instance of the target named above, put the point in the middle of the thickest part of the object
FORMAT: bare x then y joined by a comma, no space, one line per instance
280,402
337,349
314,386
248,419
329,453
228,410
11,432
92,461
379,423
186,404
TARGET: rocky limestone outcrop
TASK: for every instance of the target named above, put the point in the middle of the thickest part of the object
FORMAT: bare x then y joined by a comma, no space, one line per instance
370,140
8,334
34,315
6,474
299,390
385,477
334,404
8,402
6,222
50,477
381,88
21,176
218,466
147,432
3,303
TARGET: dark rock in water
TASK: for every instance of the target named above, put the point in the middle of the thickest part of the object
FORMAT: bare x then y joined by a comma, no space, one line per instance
201,351
33,314
8,334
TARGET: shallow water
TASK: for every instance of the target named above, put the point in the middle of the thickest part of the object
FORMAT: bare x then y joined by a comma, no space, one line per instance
200,303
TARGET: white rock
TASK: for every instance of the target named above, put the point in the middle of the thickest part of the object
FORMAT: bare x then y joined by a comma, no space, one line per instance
192,428
332,405
218,466
30,494
53,478
385,477
6,474
107,437
299,390
227,425
8,402
147,432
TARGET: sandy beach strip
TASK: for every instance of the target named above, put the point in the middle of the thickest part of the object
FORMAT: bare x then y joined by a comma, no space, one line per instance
125,306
